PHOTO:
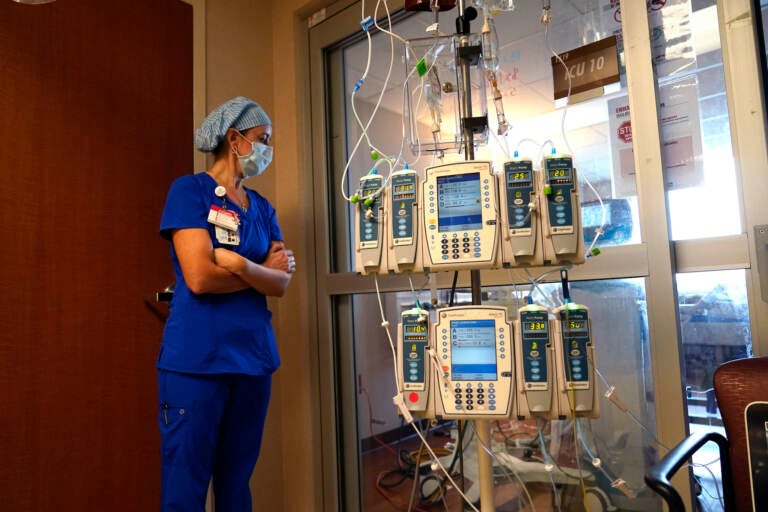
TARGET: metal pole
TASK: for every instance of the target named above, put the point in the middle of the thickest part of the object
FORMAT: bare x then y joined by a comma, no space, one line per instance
482,427
466,103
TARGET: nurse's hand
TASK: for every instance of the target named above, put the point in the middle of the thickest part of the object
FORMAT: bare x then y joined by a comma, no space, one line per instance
229,260
278,257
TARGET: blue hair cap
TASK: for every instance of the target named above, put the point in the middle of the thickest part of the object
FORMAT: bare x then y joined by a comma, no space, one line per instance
239,113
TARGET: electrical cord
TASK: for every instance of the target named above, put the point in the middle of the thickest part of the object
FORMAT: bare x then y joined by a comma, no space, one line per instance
535,281
452,296
384,445
399,505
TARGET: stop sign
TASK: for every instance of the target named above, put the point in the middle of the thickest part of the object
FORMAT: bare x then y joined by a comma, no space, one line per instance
625,131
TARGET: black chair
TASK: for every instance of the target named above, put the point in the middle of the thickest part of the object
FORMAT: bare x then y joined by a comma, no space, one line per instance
740,386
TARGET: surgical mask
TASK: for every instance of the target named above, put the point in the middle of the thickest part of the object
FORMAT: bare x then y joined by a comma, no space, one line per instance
257,160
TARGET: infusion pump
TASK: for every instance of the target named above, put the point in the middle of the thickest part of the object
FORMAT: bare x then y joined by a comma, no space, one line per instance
403,233
535,364
520,218
561,211
370,222
475,349
575,362
471,362
413,363
460,217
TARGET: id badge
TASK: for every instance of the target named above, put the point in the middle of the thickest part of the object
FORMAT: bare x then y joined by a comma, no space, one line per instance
227,237
222,218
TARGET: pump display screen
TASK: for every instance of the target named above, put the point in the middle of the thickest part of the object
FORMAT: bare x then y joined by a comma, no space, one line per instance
401,192
574,325
560,174
473,350
519,178
418,328
459,202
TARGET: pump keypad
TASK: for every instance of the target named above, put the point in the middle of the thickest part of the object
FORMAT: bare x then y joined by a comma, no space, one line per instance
478,397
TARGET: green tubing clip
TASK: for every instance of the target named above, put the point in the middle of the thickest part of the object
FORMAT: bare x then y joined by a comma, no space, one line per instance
421,67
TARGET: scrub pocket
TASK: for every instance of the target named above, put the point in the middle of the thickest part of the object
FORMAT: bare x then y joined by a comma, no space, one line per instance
173,432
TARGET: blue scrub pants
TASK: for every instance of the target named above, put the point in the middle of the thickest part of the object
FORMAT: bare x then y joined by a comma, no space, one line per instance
210,426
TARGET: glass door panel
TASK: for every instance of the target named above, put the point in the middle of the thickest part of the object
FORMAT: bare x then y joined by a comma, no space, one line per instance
539,125
714,324
624,443
703,202
699,170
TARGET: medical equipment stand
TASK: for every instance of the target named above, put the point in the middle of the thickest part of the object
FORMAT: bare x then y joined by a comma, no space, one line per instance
482,427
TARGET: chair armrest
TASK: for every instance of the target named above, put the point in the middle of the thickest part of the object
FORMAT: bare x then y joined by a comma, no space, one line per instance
659,475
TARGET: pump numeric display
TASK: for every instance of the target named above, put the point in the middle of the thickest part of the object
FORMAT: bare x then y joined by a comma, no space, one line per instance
403,198
519,181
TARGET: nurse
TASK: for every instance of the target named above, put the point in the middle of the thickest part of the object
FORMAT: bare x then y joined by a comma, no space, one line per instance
218,351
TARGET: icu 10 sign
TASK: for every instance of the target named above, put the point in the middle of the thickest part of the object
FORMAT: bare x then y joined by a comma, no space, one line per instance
589,67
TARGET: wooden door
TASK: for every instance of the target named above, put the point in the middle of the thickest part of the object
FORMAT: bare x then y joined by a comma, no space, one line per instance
95,122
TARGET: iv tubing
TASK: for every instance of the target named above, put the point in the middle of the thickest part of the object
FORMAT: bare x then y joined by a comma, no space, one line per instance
610,389
595,460
598,231
399,397
364,135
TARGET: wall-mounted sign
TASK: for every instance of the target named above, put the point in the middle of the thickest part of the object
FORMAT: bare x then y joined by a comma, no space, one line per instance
681,144
589,66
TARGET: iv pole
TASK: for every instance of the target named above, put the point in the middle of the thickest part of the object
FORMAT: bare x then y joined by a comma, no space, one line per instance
482,427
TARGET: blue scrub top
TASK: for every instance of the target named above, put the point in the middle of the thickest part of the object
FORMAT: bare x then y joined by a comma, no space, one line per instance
218,332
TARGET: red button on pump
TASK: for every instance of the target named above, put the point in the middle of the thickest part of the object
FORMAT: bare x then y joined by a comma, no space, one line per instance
413,397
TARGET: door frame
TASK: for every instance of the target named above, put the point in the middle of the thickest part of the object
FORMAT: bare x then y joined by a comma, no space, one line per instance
657,259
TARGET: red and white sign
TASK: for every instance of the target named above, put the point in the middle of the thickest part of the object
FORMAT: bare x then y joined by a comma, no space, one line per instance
625,132
681,146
